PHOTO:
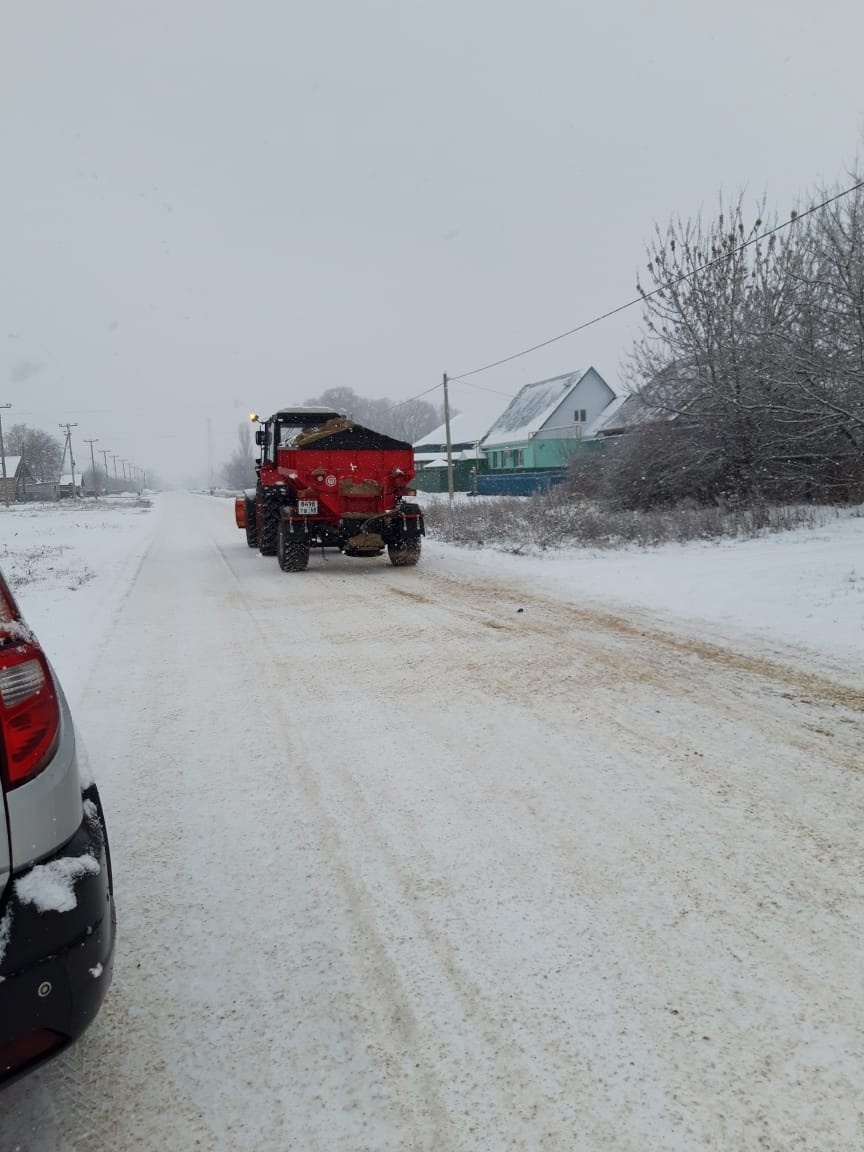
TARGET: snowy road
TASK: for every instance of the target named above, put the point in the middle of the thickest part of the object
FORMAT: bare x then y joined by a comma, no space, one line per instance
409,863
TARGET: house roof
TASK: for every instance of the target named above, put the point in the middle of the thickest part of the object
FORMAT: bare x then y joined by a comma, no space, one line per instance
669,390
436,460
13,463
628,412
465,428
530,408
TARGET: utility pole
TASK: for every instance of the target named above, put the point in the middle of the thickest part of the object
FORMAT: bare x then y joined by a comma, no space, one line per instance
123,464
93,465
210,452
449,443
104,453
68,445
3,459
114,458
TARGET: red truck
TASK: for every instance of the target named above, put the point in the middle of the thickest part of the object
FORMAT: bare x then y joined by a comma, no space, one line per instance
324,481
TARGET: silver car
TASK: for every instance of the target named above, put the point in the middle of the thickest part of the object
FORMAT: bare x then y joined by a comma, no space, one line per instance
57,919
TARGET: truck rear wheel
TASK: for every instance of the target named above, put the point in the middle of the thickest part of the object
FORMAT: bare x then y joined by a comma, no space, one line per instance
405,554
251,524
271,511
293,555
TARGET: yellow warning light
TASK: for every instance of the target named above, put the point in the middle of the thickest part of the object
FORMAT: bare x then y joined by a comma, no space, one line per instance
253,416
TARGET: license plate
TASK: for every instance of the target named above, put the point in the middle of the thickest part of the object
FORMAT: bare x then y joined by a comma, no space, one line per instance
307,507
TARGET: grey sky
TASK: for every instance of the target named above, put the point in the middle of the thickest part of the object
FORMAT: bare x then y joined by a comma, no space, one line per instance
211,207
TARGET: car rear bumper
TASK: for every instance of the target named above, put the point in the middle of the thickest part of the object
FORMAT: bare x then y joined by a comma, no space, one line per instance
58,960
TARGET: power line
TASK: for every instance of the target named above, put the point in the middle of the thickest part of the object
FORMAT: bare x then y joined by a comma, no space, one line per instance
663,287
411,399
480,388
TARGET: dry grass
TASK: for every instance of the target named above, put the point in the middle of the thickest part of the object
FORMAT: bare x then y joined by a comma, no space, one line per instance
555,520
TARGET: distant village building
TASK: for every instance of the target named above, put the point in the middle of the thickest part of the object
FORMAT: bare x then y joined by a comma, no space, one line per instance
430,454
547,423
530,446
66,488
18,479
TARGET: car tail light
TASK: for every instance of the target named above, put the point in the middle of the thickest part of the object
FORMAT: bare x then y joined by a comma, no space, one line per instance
29,709
27,1049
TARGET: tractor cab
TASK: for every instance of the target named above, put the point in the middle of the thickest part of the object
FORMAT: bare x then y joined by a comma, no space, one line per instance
282,428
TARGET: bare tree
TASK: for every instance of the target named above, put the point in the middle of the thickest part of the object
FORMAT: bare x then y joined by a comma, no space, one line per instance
406,420
342,399
728,312
754,344
94,481
828,356
43,453
412,419
239,470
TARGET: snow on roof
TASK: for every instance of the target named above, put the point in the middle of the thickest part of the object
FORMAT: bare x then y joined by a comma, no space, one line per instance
12,465
436,460
608,417
629,413
465,428
66,478
530,408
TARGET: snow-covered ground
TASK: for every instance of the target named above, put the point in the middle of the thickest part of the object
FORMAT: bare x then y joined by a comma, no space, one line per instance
803,587
494,853
70,564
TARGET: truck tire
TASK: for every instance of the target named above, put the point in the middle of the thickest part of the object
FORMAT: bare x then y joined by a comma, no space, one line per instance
271,511
405,554
251,524
293,555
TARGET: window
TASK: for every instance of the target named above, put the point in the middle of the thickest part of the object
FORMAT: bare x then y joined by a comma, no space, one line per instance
508,458
579,416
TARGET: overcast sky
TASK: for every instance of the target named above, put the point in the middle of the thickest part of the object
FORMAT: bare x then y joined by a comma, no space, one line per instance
211,207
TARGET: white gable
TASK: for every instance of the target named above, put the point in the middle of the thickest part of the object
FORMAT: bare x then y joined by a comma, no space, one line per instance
591,395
